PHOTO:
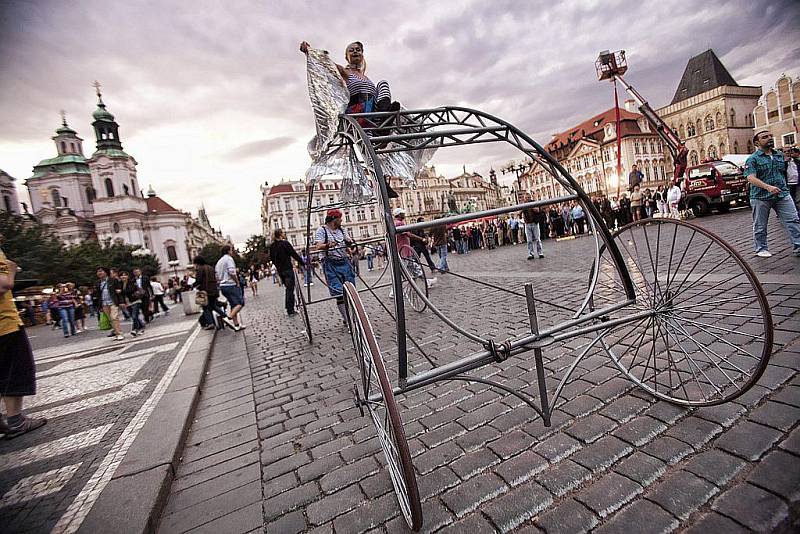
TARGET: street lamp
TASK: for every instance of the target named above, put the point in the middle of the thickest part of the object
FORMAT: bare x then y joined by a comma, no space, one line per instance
174,264
518,170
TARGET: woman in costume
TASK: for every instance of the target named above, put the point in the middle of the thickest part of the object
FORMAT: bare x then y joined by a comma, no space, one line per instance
365,96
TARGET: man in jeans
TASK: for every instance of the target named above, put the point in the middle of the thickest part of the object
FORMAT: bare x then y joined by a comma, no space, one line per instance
439,235
229,285
281,252
533,217
107,296
765,169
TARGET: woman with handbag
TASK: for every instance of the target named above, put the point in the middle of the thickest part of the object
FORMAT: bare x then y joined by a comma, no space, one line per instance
207,295
133,301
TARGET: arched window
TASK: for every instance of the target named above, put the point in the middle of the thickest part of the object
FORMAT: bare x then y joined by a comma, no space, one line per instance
109,187
7,203
91,194
72,147
636,148
115,228
690,130
652,147
709,123
133,187
733,117
56,197
125,190
712,152
693,159
172,255
63,147
736,147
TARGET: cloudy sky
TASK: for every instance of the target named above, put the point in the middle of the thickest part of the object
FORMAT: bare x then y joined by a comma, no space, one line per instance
212,102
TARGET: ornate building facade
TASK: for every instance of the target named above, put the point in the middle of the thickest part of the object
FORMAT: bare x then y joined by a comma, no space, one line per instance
589,152
99,197
710,112
779,112
8,190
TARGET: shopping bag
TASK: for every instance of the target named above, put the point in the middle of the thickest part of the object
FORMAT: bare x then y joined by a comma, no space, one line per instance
105,322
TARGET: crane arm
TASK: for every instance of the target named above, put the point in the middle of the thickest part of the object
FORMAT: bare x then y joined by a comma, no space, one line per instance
666,133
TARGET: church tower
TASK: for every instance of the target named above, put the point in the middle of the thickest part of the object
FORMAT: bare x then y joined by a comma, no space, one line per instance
119,208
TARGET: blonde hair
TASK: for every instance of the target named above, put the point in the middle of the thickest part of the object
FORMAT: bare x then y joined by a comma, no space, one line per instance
363,68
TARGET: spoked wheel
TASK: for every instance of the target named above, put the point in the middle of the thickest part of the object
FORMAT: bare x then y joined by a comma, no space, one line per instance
300,302
411,267
709,335
377,396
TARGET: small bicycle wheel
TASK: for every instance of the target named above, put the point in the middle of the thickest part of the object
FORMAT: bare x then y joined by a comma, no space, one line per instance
411,267
300,302
378,398
708,337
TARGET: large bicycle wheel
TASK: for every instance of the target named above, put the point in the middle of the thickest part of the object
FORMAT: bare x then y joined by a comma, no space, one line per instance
708,336
300,302
378,398
411,267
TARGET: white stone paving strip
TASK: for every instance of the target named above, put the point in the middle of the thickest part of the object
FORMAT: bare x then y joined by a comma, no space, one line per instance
80,507
128,391
55,354
86,381
39,485
100,359
71,443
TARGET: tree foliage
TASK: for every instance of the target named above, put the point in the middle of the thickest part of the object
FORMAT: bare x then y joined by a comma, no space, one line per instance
256,251
44,258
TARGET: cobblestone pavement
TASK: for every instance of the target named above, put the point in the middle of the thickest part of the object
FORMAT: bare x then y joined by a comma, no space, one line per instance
96,394
614,460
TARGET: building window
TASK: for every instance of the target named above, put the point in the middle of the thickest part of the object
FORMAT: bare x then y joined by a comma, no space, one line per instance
133,188
125,190
90,194
788,139
693,159
56,197
636,147
172,255
709,123
109,187
712,152
7,203
690,130
115,228
736,147
733,117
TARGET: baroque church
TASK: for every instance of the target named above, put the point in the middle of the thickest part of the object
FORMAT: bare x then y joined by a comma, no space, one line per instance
100,198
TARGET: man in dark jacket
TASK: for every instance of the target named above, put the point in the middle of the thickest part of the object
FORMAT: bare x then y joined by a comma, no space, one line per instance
281,253
143,283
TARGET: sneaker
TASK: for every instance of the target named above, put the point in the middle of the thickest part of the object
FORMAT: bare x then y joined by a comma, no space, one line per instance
541,255
26,425
228,321
134,333
120,338
240,327
764,254
141,332
291,313
111,334
531,257
431,281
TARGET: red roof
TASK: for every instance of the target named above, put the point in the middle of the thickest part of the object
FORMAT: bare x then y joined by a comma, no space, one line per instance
589,128
158,205
281,188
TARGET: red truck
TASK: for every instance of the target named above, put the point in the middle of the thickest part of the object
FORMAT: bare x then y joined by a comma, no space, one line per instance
714,185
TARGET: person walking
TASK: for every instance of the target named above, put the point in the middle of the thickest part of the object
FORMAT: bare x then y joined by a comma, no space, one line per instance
579,217
765,169
282,252
66,309
533,217
107,298
225,271
133,295
143,283
636,203
17,369
370,255
158,297
660,196
673,199
439,236
420,245
336,246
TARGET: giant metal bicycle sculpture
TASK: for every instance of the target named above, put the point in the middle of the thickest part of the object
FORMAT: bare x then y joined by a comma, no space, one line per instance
674,307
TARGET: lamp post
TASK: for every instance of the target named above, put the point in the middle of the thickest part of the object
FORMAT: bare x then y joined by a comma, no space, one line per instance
518,169
174,264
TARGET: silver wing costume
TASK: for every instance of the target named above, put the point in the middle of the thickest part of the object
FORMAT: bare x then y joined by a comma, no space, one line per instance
329,98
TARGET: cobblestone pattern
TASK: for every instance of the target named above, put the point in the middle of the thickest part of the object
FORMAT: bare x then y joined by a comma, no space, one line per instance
614,459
